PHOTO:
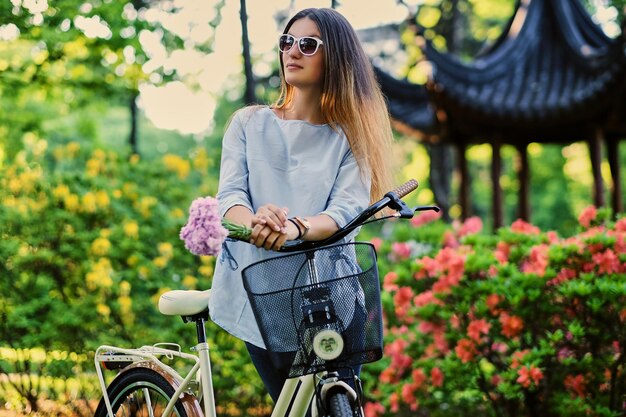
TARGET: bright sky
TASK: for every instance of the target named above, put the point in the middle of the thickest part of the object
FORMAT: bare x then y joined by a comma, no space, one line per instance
175,106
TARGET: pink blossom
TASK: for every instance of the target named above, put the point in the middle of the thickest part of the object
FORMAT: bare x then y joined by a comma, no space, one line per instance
520,226
377,242
204,234
425,298
394,402
402,301
408,396
470,226
492,302
511,325
607,261
425,217
436,377
477,328
528,375
449,240
389,281
502,252
620,225
565,274
588,215
373,409
537,261
465,350
401,250
576,385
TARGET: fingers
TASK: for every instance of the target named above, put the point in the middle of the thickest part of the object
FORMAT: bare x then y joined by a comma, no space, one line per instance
264,237
271,216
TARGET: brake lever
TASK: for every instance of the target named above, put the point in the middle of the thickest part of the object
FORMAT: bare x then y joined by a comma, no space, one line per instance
425,208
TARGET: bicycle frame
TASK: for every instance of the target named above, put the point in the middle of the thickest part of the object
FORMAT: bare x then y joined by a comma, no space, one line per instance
297,392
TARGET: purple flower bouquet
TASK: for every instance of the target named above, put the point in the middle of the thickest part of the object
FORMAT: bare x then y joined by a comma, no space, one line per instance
205,230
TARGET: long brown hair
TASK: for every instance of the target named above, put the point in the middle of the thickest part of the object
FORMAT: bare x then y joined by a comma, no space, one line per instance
351,96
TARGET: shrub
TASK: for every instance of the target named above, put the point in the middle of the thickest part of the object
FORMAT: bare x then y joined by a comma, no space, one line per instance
522,322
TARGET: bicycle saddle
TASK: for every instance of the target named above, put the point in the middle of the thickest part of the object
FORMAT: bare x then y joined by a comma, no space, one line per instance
184,302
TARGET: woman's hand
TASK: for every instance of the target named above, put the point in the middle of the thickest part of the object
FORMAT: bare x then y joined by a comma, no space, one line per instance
270,227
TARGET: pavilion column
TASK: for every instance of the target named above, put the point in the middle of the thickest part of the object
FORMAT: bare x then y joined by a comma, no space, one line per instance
464,189
595,153
496,172
523,175
614,164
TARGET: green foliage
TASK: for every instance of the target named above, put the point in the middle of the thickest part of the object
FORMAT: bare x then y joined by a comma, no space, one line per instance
522,322
89,241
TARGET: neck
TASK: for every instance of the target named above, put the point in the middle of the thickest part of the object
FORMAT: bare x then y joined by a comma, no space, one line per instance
305,106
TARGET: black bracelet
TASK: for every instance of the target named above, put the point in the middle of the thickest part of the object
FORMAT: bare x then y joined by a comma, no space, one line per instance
297,227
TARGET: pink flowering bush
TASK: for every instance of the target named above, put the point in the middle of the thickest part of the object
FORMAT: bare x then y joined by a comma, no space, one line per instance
520,323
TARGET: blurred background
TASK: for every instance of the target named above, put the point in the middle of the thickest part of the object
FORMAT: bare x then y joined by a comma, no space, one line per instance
111,119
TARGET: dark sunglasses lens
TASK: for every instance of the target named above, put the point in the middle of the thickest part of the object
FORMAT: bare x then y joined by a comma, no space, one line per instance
285,43
308,45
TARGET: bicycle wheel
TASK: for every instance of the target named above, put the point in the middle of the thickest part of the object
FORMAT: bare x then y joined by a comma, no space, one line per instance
142,392
339,404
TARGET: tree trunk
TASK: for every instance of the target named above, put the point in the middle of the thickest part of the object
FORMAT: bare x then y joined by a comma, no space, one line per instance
250,95
134,122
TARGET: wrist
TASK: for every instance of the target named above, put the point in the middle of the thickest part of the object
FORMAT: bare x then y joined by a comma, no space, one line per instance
294,231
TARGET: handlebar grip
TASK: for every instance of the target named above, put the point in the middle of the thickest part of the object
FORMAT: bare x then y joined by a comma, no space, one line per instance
405,188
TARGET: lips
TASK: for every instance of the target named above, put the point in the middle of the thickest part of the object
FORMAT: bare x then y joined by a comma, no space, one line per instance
292,66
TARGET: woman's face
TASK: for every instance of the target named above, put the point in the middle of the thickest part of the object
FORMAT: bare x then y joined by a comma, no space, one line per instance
303,71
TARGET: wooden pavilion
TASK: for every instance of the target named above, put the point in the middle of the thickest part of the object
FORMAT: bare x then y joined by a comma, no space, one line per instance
553,76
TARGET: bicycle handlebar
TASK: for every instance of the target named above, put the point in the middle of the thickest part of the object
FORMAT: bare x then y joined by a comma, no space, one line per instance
391,200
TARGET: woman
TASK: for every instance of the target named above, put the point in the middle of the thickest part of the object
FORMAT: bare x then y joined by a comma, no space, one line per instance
303,167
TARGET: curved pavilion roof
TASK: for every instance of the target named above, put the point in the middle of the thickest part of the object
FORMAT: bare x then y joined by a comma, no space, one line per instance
553,68
551,74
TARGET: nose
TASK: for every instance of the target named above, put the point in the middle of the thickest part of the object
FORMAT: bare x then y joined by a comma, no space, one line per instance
295,51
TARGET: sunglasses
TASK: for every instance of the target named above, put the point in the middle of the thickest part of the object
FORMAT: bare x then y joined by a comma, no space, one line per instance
307,45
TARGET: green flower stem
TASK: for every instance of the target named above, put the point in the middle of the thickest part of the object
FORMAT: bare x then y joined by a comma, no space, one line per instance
237,231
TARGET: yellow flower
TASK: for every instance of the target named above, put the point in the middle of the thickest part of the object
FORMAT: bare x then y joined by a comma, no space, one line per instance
23,250
134,158
102,199
131,229
103,310
206,270
129,190
145,204
126,308
201,161
125,288
100,246
15,185
39,148
99,154
117,194
71,202
72,148
105,232
100,275
144,272
132,260
177,213
61,191
166,250
94,167
175,163
189,281
89,202
160,262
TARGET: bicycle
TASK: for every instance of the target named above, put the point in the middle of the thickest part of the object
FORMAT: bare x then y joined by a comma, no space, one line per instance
313,304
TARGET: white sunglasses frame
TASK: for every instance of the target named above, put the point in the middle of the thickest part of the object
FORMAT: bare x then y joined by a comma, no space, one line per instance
296,41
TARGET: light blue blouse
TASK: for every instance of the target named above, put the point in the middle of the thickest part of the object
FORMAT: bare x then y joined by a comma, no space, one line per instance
291,163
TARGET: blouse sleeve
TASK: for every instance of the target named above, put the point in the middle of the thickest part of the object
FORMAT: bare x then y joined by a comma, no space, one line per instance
350,194
233,182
